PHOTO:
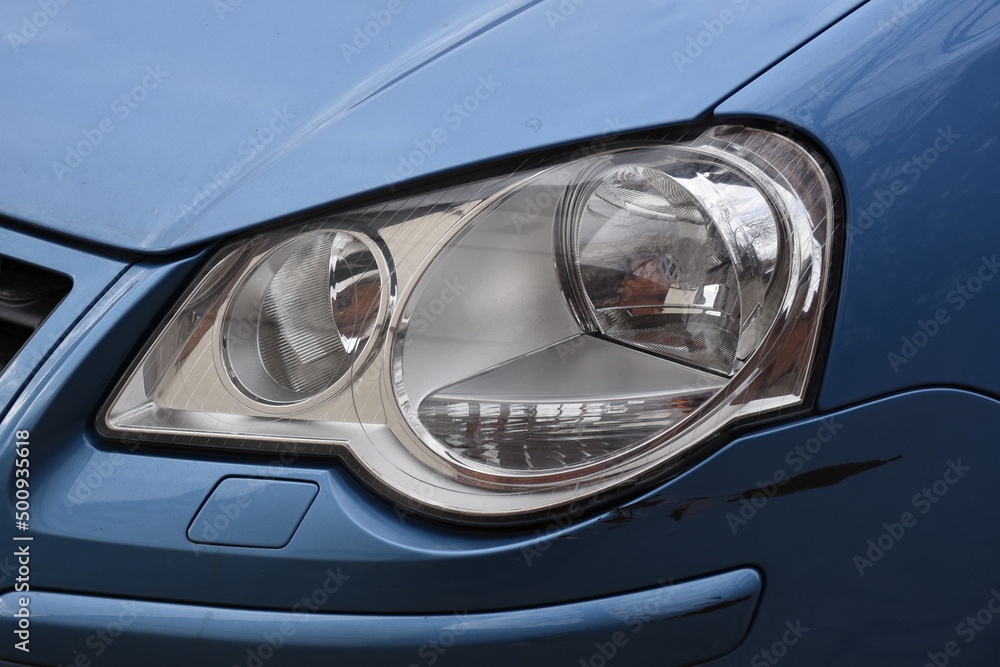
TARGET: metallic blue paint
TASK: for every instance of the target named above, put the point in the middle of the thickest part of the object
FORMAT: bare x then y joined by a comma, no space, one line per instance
210,83
871,523
252,512
909,112
683,623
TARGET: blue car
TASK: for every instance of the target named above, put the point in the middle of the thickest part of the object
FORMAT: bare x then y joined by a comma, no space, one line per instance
534,332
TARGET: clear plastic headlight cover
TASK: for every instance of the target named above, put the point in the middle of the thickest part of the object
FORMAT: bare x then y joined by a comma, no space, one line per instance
506,348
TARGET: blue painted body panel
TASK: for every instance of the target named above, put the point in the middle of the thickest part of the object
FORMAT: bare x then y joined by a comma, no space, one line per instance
908,111
668,626
174,95
871,523
252,512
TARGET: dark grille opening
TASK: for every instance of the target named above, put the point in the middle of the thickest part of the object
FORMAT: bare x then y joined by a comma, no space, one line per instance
27,295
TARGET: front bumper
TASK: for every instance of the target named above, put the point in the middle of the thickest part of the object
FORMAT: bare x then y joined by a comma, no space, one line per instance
672,625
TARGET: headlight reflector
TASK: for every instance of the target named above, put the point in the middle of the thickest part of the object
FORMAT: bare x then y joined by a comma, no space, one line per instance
499,350
302,317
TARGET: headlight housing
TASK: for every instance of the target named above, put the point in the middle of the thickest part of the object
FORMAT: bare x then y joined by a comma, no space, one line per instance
499,350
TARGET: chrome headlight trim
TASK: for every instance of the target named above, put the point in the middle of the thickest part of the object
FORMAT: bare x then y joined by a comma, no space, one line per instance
377,429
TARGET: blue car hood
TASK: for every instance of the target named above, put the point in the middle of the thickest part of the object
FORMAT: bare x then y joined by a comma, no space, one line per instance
154,126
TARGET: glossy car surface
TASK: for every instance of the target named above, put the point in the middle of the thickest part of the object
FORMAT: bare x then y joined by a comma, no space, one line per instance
135,140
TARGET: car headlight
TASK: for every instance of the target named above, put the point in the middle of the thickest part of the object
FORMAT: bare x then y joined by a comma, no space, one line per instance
506,348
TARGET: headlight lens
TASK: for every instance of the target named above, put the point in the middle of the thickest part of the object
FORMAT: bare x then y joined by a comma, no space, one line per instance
500,350
302,317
